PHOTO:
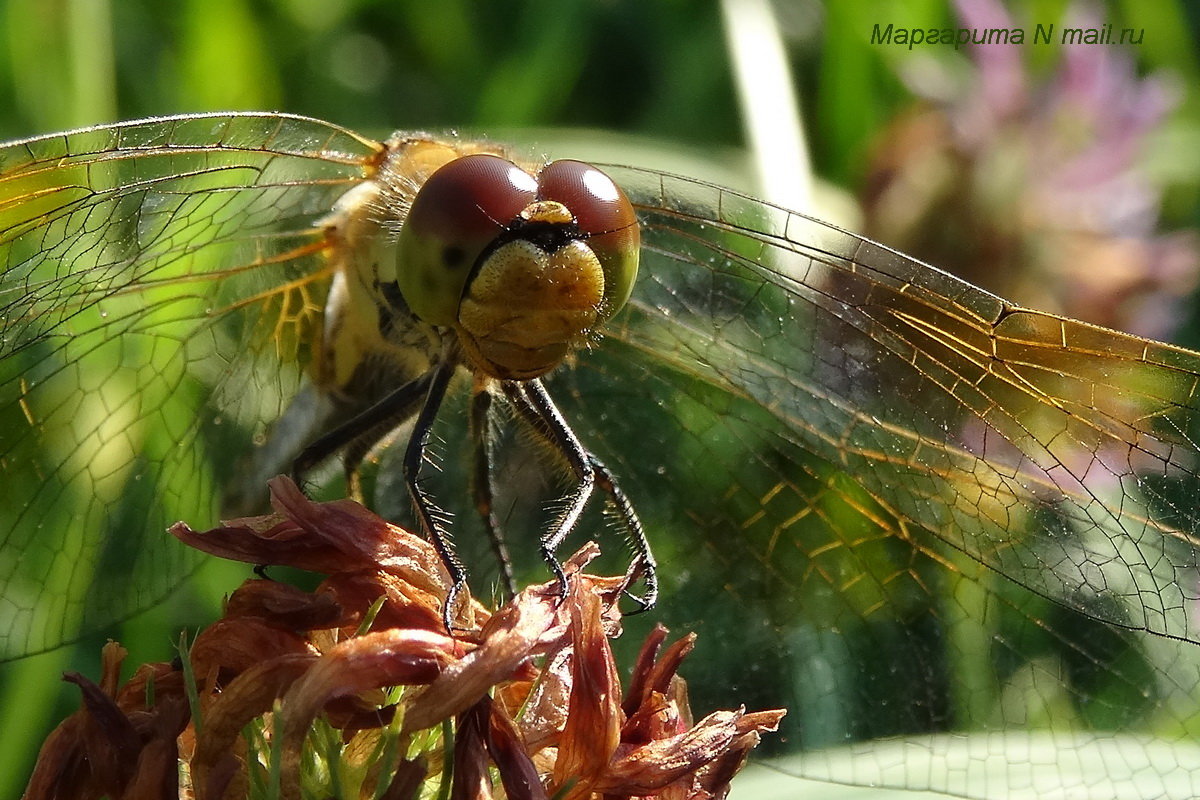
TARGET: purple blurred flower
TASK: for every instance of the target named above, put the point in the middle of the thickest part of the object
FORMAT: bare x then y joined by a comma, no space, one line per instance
1035,188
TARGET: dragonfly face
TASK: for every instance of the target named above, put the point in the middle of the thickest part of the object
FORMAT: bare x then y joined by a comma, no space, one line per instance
903,506
524,269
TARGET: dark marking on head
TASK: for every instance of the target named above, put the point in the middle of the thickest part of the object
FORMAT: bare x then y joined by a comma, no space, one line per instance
549,236
453,257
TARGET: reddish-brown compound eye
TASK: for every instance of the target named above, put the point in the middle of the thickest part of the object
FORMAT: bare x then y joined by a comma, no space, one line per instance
472,197
605,218
457,213
598,204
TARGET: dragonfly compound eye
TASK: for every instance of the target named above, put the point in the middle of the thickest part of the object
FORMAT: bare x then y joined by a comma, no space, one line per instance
605,217
523,269
457,214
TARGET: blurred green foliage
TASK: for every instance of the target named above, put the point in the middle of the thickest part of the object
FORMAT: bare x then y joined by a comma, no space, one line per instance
372,66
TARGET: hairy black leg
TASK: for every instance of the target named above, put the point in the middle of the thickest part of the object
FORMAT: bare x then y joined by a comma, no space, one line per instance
361,432
554,429
534,404
428,514
481,484
643,565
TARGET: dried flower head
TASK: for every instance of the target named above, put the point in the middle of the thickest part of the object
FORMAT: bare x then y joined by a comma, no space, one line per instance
356,689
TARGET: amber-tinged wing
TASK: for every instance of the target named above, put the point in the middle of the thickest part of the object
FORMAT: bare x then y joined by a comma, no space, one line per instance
904,506
159,285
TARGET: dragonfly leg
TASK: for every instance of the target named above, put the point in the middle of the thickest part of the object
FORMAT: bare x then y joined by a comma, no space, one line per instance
643,565
538,410
429,516
533,403
481,484
361,433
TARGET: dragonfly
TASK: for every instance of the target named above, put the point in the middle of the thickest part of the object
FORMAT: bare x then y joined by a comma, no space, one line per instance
950,534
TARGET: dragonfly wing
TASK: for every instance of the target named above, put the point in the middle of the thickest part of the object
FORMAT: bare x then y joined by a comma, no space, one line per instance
1055,452
905,507
162,284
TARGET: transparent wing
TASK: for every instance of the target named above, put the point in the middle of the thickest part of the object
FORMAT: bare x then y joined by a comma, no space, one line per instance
904,507
160,285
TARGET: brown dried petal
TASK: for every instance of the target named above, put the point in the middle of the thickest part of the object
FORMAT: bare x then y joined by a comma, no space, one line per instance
112,656
284,605
514,695
266,540
231,646
656,718
167,680
362,533
157,772
328,537
371,661
407,780
61,770
593,728
250,695
760,721
110,740
715,777
406,605
651,766
657,701
545,713
471,780
643,667
508,752
666,668
509,638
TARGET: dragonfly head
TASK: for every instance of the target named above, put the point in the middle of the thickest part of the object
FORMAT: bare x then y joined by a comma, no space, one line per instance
525,268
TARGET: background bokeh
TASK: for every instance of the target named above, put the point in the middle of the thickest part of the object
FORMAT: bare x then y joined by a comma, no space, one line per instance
643,80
